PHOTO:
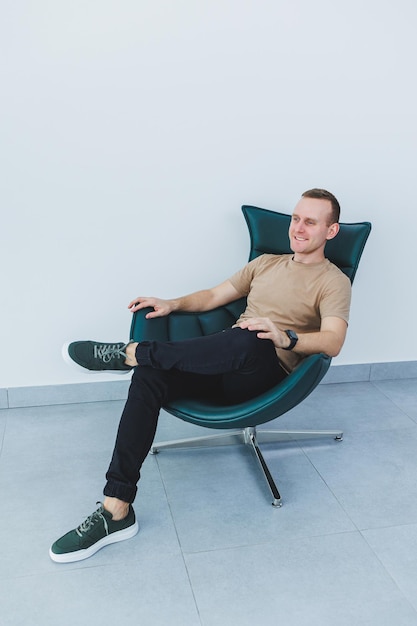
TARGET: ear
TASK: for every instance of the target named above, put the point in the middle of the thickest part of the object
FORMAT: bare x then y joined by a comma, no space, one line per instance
333,230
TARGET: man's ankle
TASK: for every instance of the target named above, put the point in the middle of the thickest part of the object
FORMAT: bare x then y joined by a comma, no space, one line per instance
131,354
118,508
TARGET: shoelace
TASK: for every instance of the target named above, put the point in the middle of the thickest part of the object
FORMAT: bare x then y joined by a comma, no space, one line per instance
106,352
91,520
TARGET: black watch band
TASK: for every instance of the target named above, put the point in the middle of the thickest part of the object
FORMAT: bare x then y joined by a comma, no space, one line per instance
292,336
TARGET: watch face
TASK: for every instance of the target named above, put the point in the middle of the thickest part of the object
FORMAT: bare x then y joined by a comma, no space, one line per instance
292,336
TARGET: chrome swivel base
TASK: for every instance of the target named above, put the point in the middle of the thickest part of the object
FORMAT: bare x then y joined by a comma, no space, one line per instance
249,436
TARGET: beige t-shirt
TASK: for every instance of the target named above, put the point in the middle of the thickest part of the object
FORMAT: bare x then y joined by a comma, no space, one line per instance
293,295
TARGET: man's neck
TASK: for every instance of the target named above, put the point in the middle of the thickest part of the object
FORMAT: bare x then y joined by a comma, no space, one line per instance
310,258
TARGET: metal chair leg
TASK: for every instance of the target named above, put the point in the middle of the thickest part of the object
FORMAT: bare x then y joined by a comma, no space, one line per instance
272,436
246,436
250,434
223,439
252,437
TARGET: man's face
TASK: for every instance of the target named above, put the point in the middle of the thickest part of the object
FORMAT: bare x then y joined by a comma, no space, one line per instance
309,229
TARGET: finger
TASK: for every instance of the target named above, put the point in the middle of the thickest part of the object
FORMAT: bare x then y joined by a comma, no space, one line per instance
143,303
258,326
154,313
264,335
134,302
135,307
247,323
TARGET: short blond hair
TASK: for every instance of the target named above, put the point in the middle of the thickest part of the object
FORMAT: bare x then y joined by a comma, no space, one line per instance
322,194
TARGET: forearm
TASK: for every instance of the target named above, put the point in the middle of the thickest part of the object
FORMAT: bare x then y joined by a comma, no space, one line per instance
312,343
203,300
329,339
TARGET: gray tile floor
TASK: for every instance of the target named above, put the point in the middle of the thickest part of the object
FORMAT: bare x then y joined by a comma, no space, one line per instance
342,551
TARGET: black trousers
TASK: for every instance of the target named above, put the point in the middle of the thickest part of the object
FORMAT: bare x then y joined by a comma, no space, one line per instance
231,366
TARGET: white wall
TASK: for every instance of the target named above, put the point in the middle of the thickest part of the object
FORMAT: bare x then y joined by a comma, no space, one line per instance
132,131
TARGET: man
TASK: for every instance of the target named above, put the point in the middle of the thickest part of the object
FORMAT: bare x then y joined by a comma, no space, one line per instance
297,304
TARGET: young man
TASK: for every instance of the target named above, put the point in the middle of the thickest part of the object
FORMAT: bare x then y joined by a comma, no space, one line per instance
297,304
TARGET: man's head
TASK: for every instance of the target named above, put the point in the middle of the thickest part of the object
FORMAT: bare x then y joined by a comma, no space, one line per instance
334,213
314,221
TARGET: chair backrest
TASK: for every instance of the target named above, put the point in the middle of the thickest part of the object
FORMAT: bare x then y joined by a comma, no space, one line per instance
269,235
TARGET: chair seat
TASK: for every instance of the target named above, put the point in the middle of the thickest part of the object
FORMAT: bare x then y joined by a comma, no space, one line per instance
265,407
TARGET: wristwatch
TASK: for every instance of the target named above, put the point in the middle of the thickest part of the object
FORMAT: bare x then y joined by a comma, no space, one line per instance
292,336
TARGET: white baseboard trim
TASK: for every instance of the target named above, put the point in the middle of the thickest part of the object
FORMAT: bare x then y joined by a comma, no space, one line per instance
19,397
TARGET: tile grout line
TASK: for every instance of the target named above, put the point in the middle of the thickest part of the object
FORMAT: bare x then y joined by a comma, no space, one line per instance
388,573
178,538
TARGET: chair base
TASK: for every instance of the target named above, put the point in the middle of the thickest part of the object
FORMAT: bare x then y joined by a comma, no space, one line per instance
250,436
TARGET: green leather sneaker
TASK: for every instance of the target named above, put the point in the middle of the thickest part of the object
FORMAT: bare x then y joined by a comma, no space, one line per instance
96,356
97,531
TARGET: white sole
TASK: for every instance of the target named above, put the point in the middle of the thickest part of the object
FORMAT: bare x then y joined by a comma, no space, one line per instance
80,555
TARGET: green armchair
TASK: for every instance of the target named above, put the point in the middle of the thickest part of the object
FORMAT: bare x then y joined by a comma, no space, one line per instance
268,234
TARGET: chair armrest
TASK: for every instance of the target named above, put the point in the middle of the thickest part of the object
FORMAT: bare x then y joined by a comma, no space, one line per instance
179,326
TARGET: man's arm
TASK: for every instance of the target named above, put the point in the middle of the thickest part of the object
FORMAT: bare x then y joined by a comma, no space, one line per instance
329,339
203,300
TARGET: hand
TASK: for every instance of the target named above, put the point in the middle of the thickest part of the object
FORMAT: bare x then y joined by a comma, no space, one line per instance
160,307
266,329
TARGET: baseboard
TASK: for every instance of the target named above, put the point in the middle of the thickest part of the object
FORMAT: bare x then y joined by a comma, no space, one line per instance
18,397
371,372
